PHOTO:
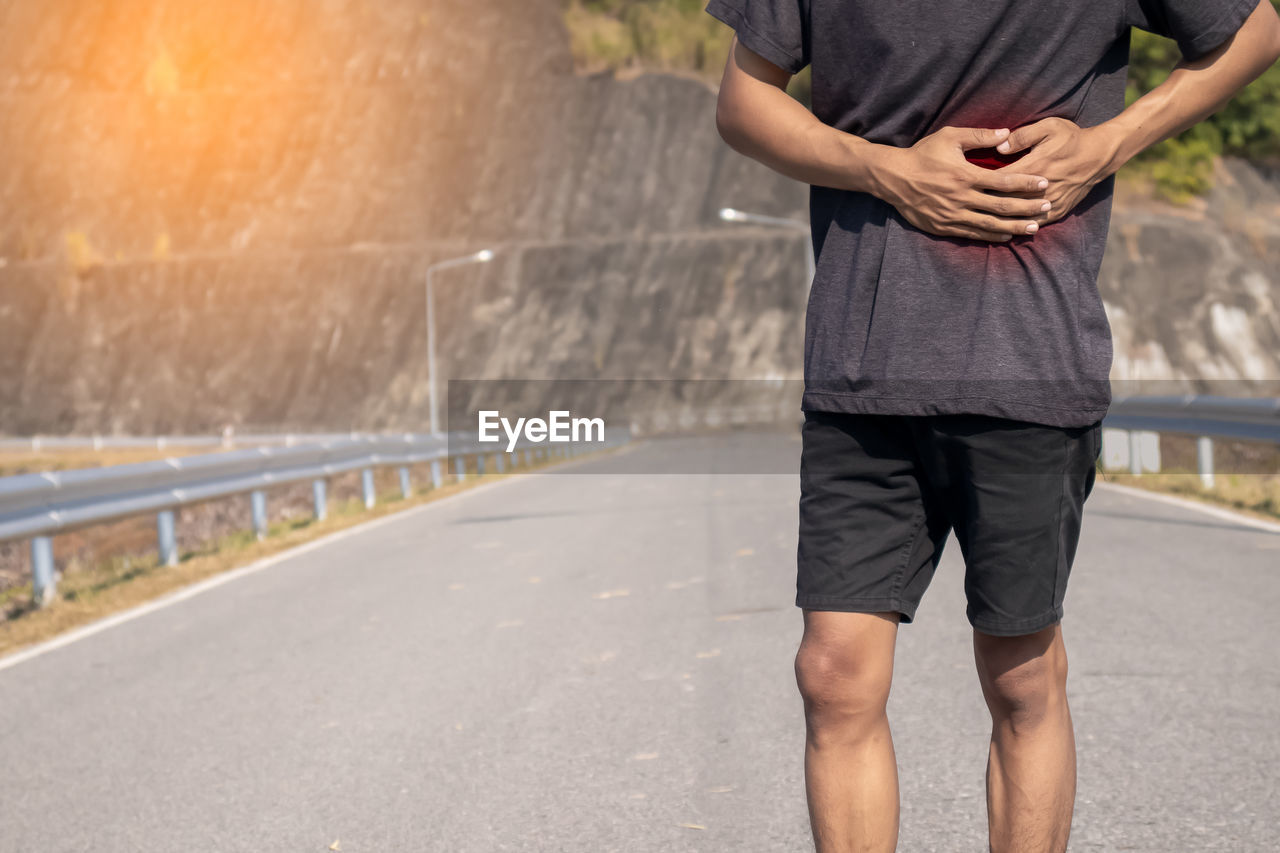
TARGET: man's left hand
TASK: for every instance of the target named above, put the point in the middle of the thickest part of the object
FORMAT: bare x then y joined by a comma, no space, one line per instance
1074,159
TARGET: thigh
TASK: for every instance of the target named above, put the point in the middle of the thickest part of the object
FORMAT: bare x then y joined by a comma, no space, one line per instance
869,537
1014,493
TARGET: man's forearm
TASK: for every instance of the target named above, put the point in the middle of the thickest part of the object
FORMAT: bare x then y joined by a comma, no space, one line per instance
780,133
1195,90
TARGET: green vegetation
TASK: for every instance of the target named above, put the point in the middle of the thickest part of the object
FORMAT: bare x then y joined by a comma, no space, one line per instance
671,35
677,35
663,35
1249,126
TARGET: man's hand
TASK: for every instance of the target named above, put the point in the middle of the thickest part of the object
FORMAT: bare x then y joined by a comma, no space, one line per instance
1073,158
930,183
937,190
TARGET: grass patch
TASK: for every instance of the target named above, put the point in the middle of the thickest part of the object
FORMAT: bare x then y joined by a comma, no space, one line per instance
668,35
655,35
15,462
119,583
1256,495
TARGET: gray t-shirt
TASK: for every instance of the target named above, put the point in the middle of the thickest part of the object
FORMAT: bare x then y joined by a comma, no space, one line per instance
904,322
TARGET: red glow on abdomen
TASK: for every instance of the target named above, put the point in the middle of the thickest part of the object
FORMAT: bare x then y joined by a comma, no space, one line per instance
990,158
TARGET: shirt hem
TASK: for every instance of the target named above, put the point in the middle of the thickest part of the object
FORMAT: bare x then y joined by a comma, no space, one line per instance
1019,410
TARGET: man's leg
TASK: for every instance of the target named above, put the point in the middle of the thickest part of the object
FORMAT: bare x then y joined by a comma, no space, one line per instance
843,668
1031,768
1015,494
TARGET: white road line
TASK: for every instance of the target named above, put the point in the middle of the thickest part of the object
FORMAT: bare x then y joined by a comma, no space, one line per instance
209,583
1197,506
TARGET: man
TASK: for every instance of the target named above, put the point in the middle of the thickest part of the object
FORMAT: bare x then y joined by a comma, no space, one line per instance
961,156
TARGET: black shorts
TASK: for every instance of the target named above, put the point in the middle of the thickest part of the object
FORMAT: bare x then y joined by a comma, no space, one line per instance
879,493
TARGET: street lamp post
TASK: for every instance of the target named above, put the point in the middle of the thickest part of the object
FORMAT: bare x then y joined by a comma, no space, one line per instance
481,257
728,214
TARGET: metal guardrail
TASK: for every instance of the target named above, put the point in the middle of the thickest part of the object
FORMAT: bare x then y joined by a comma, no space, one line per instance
38,506
1255,419
1206,417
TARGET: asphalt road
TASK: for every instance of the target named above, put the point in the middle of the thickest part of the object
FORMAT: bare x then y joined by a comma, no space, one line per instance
601,660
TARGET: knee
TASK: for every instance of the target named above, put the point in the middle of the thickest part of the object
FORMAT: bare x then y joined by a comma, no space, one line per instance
1021,690
841,686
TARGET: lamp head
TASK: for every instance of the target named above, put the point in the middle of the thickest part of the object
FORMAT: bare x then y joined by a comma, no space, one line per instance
484,255
728,214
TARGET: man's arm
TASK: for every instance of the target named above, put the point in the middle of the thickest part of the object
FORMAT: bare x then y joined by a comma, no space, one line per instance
1197,90
931,184
1075,158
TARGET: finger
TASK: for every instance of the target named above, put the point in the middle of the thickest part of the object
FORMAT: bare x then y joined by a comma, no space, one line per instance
979,137
1051,216
1008,206
977,234
1005,181
1025,137
985,222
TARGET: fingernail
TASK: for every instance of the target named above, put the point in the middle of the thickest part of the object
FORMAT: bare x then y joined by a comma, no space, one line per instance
1043,184
1003,147
1004,131
1004,238
1046,205
1032,228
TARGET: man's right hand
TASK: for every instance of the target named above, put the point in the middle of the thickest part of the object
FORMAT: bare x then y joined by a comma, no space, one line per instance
937,190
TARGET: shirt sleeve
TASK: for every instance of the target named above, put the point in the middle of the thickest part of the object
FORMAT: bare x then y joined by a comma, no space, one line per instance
1198,26
778,30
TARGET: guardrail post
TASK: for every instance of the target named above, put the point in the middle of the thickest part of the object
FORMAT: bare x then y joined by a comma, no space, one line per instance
435,474
1204,460
366,483
460,469
167,538
43,584
258,504
480,465
320,499
499,463
528,457
406,486
1135,452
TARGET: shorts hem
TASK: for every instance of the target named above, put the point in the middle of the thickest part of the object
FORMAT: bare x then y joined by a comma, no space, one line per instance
1019,627
857,605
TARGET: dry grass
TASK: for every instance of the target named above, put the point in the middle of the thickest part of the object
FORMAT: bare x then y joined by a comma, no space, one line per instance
1256,495
673,36
14,462
667,35
120,583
